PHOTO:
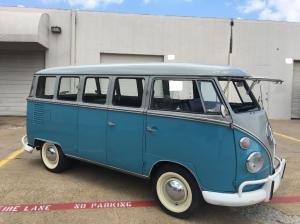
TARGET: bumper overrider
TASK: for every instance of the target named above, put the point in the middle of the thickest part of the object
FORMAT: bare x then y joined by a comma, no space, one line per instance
271,184
27,148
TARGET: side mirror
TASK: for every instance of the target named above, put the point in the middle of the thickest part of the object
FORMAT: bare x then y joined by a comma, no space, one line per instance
224,111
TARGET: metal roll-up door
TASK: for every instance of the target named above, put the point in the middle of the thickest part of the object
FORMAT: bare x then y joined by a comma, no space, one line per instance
296,91
16,71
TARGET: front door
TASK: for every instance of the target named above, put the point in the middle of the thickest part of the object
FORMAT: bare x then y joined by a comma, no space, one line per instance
184,125
125,125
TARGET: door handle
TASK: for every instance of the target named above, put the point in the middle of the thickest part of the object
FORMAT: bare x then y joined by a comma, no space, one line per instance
111,124
151,129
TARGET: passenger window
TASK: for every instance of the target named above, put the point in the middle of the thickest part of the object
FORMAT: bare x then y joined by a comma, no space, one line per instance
128,92
95,90
210,97
45,87
176,95
68,88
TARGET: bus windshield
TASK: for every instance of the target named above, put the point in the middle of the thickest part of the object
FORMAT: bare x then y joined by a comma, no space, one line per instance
239,95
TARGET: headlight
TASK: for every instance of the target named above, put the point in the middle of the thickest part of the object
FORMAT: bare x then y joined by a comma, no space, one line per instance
255,162
245,143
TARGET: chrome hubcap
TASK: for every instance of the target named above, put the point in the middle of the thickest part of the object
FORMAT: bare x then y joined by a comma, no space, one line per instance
176,190
51,154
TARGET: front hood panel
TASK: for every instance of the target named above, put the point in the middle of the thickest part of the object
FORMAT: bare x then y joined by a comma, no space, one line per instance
257,124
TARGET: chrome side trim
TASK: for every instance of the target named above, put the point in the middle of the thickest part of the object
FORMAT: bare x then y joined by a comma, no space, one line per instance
53,101
108,166
92,105
126,109
216,119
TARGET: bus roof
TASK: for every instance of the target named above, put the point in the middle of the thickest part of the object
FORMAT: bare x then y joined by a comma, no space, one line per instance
163,69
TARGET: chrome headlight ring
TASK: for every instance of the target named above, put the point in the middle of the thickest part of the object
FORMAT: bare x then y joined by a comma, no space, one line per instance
255,162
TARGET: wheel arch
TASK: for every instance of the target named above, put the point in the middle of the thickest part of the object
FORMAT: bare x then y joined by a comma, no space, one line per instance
156,166
38,143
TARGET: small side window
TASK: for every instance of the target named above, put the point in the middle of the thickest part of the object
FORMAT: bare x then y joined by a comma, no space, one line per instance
210,97
95,90
45,87
128,92
68,88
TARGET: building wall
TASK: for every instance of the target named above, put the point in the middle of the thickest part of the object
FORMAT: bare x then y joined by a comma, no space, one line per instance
189,39
259,47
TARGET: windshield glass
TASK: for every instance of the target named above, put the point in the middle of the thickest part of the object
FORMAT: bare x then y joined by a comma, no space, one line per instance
239,95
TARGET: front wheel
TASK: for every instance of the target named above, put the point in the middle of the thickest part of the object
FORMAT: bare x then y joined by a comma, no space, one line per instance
53,158
177,191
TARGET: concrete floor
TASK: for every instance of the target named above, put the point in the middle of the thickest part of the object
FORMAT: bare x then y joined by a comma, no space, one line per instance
24,180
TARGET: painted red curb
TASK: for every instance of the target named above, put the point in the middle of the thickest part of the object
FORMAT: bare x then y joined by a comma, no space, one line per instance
102,205
286,200
75,206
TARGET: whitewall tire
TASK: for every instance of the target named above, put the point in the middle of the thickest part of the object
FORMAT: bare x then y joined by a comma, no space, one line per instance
53,158
177,191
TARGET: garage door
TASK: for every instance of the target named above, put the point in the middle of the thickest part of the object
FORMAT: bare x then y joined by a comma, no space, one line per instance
108,58
16,70
296,91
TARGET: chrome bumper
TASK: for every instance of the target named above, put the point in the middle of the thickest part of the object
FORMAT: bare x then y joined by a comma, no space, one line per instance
271,184
27,148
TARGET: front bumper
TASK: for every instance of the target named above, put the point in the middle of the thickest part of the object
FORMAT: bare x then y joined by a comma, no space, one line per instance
271,184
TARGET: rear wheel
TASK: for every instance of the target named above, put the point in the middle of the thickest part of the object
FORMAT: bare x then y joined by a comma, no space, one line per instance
177,191
53,158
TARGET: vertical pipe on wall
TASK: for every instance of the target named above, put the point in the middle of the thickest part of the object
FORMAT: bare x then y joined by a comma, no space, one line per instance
73,38
230,42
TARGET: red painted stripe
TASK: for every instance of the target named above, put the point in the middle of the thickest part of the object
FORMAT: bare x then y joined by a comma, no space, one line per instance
75,206
102,205
286,200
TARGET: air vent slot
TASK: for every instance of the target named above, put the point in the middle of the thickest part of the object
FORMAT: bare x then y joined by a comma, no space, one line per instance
38,113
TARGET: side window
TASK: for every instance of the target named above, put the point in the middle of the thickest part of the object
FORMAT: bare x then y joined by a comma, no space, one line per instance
210,97
45,87
68,88
176,95
128,92
95,90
